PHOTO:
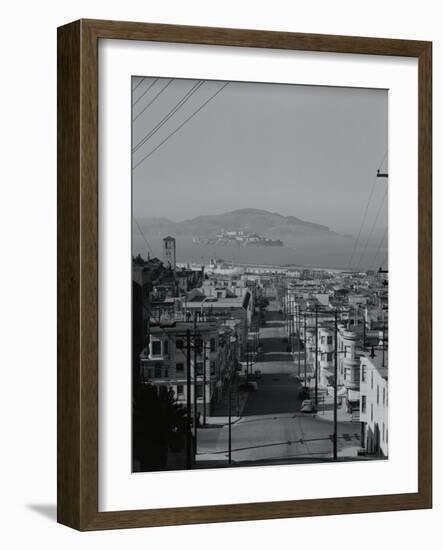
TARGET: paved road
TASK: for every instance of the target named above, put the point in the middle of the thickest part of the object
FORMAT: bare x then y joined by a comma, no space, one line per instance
278,393
272,428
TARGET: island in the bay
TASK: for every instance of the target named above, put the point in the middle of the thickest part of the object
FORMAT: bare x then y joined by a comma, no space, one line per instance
238,238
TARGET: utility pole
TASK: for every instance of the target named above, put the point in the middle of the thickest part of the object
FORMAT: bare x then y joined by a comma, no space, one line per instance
188,401
335,385
383,339
316,355
230,417
304,344
204,383
195,382
298,336
364,332
236,372
291,321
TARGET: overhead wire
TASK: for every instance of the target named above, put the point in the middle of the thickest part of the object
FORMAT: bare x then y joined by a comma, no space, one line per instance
379,247
372,228
142,79
179,127
145,92
143,236
170,114
368,202
152,100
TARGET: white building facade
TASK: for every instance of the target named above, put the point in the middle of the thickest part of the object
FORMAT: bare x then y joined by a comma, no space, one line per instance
374,402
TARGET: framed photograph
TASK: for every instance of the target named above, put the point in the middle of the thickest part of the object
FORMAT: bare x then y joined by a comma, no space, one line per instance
244,275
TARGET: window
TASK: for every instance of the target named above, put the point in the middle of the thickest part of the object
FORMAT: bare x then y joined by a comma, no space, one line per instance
363,403
372,412
180,390
156,347
199,369
384,396
322,339
198,343
157,372
363,373
180,367
212,344
329,357
179,343
166,373
344,373
199,391
166,347
212,367
329,340
378,395
387,435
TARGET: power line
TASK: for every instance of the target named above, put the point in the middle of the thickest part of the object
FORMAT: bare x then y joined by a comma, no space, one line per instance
383,159
379,247
354,250
142,79
372,228
143,236
179,127
152,100
145,92
171,113
362,223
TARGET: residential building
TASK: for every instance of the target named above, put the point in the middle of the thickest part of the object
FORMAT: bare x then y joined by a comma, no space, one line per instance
326,347
164,361
374,401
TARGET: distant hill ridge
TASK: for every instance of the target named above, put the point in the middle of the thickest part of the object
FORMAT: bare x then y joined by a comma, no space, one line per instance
267,224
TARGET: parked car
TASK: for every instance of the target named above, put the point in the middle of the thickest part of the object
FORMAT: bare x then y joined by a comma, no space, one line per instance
304,392
308,406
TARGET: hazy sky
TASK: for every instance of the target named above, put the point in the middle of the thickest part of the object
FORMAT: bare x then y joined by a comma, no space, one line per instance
307,151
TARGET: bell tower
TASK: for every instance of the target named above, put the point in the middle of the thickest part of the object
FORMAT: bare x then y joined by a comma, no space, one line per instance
169,251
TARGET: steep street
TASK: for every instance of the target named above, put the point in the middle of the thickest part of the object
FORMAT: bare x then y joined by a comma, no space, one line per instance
271,427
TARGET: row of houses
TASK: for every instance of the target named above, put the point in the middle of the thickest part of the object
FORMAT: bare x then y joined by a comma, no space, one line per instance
355,335
184,318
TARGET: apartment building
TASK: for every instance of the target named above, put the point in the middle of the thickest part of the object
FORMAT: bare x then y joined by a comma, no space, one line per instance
374,398
164,361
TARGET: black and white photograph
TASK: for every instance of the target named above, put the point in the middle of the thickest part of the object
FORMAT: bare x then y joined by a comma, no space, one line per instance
259,274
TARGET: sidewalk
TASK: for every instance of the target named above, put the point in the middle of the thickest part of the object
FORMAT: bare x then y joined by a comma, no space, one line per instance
219,416
219,421
326,409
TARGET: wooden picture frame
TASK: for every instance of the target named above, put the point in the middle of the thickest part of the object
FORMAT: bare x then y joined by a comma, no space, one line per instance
78,274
